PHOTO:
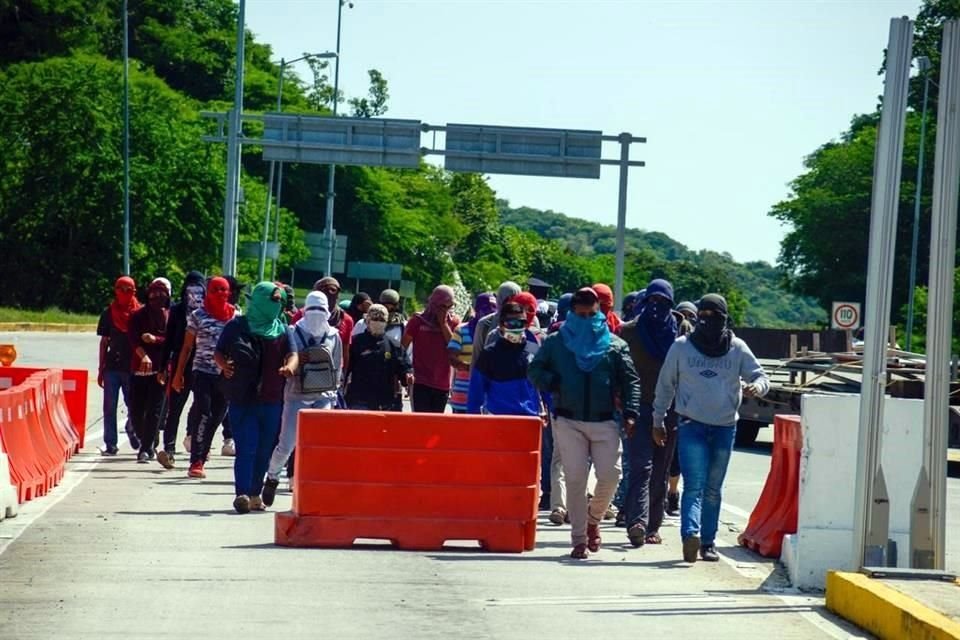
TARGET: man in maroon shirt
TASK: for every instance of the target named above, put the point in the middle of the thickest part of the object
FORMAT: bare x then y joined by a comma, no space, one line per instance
430,332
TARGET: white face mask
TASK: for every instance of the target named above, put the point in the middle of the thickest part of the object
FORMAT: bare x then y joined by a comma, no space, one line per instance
316,321
377,327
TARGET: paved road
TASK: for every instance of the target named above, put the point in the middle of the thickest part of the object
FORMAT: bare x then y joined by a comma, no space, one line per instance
129,550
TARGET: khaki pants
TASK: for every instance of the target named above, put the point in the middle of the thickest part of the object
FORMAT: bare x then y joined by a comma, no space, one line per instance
558,486
581,443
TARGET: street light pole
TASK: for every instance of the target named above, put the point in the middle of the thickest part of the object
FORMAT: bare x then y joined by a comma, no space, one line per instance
230,222
923,67
331,241
126,141
266,217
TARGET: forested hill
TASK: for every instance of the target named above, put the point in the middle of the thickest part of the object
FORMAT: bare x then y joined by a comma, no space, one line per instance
764,302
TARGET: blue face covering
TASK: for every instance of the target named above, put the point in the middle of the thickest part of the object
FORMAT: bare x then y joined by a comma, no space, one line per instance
587,338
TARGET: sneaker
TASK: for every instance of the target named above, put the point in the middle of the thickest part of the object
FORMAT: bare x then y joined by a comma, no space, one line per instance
109,451
241,504
229,448
709,553
558,516
691,545
256,504
187,441
270,490
610,513
637,535
134,440
593,537
579,552
142,457
196,470
165,459
673,504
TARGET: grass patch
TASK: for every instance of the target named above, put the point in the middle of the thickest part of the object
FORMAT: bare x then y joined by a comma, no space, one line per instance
47,316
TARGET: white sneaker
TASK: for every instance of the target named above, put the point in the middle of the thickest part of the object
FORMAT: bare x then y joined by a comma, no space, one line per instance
186,443
229,449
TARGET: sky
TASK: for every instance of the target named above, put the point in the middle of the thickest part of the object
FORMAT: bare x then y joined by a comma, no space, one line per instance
731,96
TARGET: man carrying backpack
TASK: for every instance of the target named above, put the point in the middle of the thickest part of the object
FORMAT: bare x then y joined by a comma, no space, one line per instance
312,369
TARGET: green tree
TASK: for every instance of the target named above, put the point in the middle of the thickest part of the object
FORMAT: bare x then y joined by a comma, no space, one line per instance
375,104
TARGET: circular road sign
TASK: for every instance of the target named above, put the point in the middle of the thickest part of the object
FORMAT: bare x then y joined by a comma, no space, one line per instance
846,316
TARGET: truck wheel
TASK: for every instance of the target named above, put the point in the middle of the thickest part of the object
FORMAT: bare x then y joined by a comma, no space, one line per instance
747,431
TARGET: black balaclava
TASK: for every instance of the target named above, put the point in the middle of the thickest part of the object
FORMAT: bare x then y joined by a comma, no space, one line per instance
712,336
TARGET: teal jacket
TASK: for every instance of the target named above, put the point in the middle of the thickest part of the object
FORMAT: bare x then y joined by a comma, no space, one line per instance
587,396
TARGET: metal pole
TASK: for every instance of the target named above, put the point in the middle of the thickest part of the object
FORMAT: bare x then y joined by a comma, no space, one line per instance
331,173
946,190
871,506
126,141
923,64
625,140
276,223
273,166
229,262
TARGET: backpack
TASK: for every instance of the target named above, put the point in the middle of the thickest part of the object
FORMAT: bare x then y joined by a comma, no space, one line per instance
317,370
245,353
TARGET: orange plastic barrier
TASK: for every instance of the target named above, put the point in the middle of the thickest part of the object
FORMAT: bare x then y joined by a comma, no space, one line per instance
776,512
74,392
26,472
415,479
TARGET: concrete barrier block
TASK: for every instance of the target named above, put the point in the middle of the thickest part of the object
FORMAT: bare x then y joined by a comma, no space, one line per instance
828,479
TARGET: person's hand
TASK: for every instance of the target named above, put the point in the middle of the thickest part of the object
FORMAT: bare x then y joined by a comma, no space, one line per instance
630,426
751,390
146,364
100,378
227,369
407,379
148,338
177,382
286,371
162,378
659,432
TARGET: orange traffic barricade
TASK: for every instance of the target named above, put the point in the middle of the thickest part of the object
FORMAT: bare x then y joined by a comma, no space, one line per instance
26,471
415,479
776,512
73,392
47,451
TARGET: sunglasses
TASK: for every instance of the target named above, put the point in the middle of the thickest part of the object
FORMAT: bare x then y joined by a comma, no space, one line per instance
515,323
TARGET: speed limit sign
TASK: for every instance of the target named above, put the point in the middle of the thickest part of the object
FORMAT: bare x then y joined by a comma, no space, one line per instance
845,315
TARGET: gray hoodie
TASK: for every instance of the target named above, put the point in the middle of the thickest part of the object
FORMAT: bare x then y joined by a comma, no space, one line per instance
706,389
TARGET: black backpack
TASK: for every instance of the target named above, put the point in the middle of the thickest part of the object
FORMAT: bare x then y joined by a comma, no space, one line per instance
245,353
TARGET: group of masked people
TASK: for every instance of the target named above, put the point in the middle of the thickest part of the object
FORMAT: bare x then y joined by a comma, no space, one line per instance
249,370
613,393
617,396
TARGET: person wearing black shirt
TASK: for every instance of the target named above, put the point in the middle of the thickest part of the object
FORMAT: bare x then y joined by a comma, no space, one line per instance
378,365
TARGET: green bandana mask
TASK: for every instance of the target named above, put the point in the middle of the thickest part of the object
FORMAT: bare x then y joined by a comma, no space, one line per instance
263,311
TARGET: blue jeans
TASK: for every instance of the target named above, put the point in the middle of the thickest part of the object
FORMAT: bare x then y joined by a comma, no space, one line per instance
546,456
255,428
704,455
113,383
620,499
288,431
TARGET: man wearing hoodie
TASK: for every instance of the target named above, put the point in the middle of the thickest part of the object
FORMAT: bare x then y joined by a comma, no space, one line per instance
489,322
707,373
588,370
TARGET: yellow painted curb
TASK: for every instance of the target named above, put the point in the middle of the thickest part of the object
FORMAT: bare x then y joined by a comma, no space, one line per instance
884,611
51,327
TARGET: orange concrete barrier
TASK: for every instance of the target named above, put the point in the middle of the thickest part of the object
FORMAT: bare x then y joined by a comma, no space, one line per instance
416,480
26,471
74,392
776,512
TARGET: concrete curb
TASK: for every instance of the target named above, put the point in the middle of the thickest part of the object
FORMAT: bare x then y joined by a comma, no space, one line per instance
50,327
884,611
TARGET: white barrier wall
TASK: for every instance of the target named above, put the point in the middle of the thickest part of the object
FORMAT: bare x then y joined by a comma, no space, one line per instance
828,464
8,494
